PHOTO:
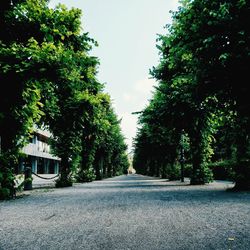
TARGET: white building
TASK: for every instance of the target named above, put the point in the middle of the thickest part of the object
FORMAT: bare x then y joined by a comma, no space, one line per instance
39,157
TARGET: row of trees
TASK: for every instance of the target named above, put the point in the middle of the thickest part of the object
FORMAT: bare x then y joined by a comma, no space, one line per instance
201,103
49,80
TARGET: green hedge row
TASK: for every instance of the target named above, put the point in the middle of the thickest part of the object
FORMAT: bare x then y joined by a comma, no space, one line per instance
222,170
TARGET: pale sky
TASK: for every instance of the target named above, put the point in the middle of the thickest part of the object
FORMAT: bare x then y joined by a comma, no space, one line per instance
126,31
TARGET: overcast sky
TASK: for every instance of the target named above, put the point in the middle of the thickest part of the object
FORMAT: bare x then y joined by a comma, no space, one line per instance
126,31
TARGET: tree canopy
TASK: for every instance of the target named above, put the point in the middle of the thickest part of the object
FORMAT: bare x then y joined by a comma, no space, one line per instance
49,79
202,88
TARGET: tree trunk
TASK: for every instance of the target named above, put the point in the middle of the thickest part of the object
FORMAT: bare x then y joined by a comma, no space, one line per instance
64,180
99,166
200,175
163,170
242,167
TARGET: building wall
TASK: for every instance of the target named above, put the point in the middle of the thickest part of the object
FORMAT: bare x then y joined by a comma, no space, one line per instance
38,155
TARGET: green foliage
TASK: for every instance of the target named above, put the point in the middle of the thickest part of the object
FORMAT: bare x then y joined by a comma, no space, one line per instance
86,175
173,172
63,182
201,91
6,183
188,169
242,176
201,175
44,58
223,170
4,193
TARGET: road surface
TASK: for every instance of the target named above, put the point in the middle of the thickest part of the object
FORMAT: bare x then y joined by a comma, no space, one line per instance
127,212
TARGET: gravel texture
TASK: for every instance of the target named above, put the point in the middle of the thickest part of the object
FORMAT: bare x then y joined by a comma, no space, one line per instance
128,212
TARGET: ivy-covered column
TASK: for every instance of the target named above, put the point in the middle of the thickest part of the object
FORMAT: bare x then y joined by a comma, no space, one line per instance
200,152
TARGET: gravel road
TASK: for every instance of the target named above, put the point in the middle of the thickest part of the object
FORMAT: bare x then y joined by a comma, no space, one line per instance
127,212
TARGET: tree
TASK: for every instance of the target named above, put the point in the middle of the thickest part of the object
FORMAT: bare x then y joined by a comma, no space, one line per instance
203,64
216,33
45,60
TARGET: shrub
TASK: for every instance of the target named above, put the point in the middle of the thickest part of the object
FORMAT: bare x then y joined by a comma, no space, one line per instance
64,182
173,172
223,170
188,170
86,175
4,193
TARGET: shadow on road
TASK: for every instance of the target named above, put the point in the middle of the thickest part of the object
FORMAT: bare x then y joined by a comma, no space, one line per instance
153,189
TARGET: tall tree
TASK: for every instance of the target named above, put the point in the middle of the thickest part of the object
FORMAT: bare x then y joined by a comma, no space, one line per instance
50,81
202,72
